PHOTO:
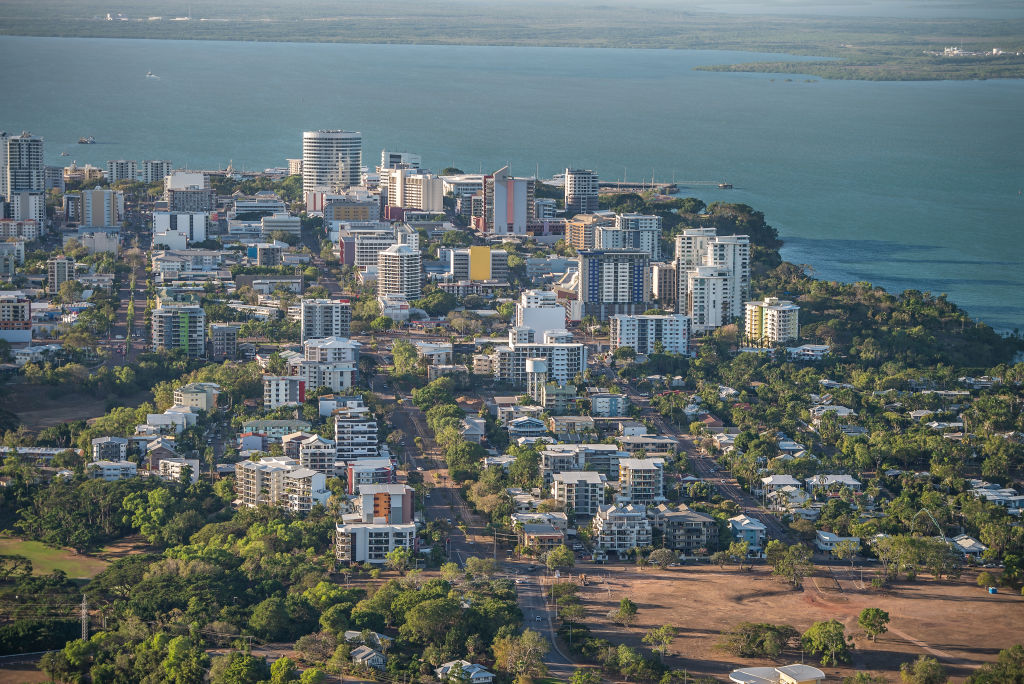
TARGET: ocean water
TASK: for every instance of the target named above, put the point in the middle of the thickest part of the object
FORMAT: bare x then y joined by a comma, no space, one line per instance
906,185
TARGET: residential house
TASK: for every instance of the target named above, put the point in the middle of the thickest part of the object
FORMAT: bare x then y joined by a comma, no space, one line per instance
750,530
368,657
471,672
828,542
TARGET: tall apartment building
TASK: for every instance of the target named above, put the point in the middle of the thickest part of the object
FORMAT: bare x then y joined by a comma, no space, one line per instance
188,192
398,272
153,171
332,160
478,263
24,229
223,341
707,299
280,482
396,160
294,167
15,317
283,390
59,270
771,321
23,168
317,453
121,170
180,327
410,188
102,207
367,471
565,359
687,531
714,277
382,522
23,176
371,542
355,433
148,172
390,503
665,285
631,231
614,282
328,362
643,333
507,204
540,311
325,318
581,191
641,480
582,491
174,228
109,449
581,230
618,529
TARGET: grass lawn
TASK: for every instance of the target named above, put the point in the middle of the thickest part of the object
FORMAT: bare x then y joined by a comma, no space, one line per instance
46,559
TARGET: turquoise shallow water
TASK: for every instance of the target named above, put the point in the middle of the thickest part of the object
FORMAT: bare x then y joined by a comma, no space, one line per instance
907,185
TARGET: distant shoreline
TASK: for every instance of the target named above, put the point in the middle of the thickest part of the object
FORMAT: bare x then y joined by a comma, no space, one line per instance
868,48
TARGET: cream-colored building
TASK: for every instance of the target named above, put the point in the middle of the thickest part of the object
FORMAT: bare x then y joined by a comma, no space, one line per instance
772,321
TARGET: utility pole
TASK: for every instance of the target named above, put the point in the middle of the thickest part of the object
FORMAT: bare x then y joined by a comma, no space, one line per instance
85,618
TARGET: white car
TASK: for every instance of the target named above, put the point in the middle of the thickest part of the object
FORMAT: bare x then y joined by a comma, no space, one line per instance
537,618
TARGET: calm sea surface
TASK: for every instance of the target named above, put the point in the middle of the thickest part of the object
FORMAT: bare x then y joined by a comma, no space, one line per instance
906,185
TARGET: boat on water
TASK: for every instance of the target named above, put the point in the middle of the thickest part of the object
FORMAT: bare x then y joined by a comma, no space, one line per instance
150,74
89,140
725,186
65,154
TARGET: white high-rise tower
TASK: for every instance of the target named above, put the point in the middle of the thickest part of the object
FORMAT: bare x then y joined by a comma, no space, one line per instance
331,160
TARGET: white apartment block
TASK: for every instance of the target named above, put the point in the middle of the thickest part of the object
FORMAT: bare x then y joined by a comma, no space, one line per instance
361,542
283,390
398,272
328,362
325,318
280,223
772,321
582,491
750,530
395,160
540,311
111,470
642,480
618,529
719,267
332,160
121,170
178,229
174,469
153,171
707,298
280,482
25,229
109,449
581,191
565,360
409,188
318,453
355,434
59,270
631,231
643,333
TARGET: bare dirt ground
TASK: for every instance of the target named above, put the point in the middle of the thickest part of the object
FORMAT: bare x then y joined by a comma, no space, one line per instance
954,621
41,407
21,673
